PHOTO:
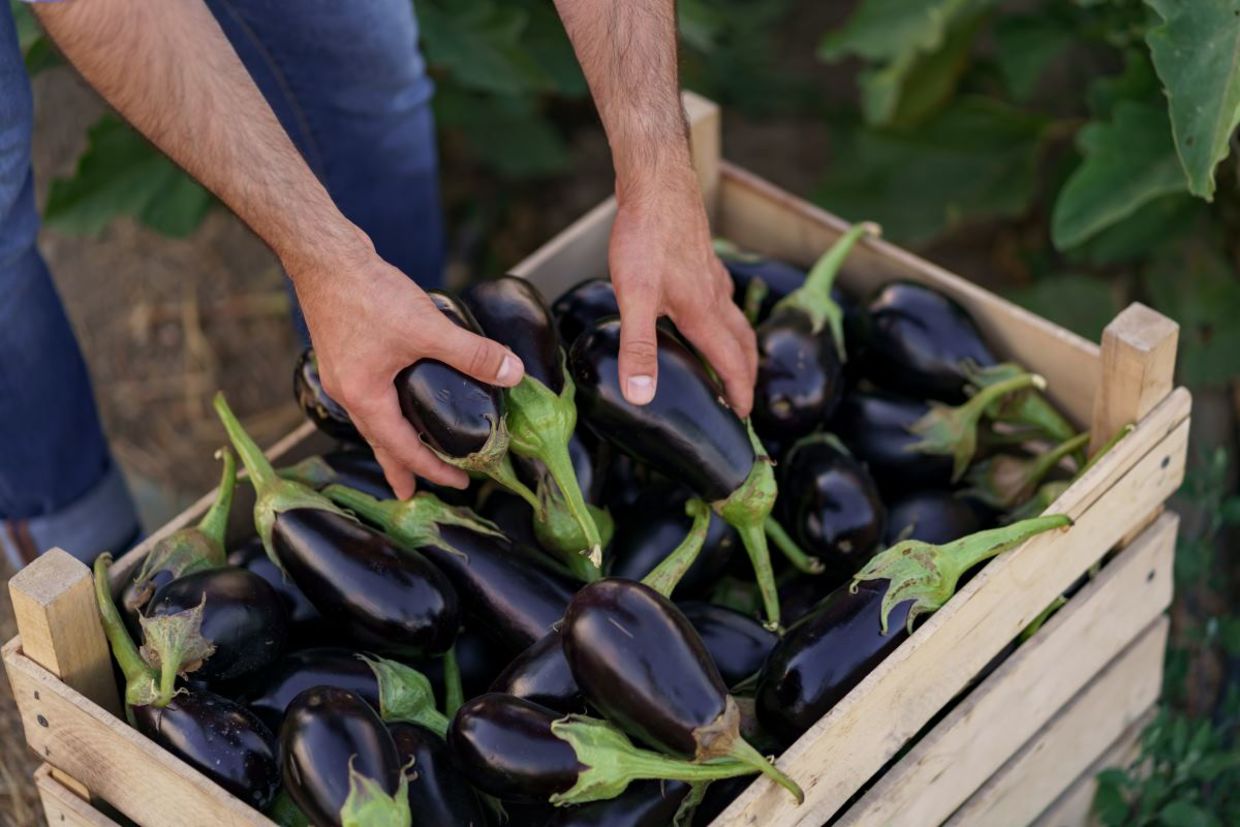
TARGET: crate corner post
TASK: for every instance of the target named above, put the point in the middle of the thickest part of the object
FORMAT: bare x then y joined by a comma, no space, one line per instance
706,146
1137,369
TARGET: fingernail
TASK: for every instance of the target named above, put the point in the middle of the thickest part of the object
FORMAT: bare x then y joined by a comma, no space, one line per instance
508,369
640,389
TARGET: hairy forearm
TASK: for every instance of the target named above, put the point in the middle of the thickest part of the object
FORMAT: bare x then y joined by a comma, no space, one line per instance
628,53
169,70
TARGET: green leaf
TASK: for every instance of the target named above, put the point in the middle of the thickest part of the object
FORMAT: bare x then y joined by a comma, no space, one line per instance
1127,163
1139,235
531,147
121,174
907,92
1137,82
1025,45
1196,51
1080,303
1184,814
479,44
976,159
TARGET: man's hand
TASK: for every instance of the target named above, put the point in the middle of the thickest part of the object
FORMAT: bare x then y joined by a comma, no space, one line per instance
368,322
662,264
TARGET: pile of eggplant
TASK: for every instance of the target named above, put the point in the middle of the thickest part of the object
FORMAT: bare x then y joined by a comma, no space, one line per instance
596,631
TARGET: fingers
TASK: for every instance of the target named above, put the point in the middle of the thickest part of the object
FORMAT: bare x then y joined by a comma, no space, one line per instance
397,446
477,356
639,349
729,348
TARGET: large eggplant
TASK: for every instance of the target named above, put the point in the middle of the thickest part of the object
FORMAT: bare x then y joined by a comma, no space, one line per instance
801,352
341,765
876,427
510,594
439,795
933,516
385,596
758,283
640,662
541,674
355,468
582,305
736,643
687,432
831,505
328,415
305,624
644,804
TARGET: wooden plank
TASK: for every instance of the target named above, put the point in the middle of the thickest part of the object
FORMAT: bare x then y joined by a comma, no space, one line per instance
1027,690
117,763
1136,370
62,808
759,216
1100,714
866,729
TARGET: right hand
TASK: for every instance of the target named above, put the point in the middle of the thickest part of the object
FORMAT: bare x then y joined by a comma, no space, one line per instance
368,321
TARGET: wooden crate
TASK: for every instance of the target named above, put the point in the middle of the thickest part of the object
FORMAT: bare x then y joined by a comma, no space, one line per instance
1009,750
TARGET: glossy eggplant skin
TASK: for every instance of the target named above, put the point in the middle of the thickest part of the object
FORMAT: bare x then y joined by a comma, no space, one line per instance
305,669
505,747
439,795
384,596
510,595
541,675
832,508
582,305
801,594
511,311
651,529
241,614
328,415
640,662
737,643
920,341
800,376
221,739
823,656
360,470
780,278
643,804
875,427
687,432
934,516
453,412
304,621
512,514
326,731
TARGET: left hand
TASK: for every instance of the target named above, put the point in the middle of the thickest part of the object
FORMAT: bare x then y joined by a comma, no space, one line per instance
663,264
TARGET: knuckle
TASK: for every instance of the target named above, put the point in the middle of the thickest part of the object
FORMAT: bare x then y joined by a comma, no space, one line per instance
641,349
481,357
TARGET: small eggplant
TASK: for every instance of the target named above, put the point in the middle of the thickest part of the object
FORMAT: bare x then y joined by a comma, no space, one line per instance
512,597
519,751
439,795
801,352
541,675
876,428
832,507
328,415
688,433
383,595
542,414
341,765
640,662
353,468
581,306
1005,481
736,643
242,618
758,283
934,516
644,804
304,621
510,513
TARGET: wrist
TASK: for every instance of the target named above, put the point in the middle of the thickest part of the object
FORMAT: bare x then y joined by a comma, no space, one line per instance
336,249
669,178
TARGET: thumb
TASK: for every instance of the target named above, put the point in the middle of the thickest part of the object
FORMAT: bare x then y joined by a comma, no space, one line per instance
639,354
484,359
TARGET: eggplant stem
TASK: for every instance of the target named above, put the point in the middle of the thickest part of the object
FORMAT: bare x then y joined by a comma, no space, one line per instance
262,475
796,556
504,474
664,577
215,522
560,467
755,294
453,693
744,752
133,667
1106,446
371,509
813,298
754,539
167,681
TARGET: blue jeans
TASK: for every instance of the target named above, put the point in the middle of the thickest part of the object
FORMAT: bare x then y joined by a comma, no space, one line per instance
349,85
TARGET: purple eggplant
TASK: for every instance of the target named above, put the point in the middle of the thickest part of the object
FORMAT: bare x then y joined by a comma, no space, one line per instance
644,804
541,675
439,795
305,624
934,516
581,306
328,415
354,468
736,643
876,427
305,669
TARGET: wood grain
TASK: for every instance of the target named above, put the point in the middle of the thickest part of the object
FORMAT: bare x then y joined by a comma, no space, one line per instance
1136,369
62,808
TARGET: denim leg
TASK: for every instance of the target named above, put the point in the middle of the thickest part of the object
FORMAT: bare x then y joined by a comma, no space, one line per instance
58,484
349,85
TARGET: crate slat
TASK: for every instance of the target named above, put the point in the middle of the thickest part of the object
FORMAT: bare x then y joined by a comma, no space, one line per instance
997,718
62,807
1137,367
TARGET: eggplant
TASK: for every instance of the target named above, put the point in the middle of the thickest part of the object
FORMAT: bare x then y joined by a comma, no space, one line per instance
353,468
933,516
582,305
438,792
758,283
1005,481
644,804
801,352
832,505
511,596
799,595
653,527
328,415
305,624
519,751
242,618
479,660
687,432
382,595
718,796
511,514
341,765
736,643
876,428
541,675
542,414
922,343
305,669
639,661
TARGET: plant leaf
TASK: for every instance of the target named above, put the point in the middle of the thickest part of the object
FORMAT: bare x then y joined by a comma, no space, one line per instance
1025,44
479,44
1196,51
1080,303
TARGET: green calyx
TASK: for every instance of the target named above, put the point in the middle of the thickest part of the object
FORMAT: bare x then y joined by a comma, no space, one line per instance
368,805
558,530
173,645
285,812
273,494
312,472
413,523
813,298
540,424
1005,481
1048,492
405,694
141,681
927,574
755,294
1027,408
664,577
453,692
611,762
746,509
952,431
